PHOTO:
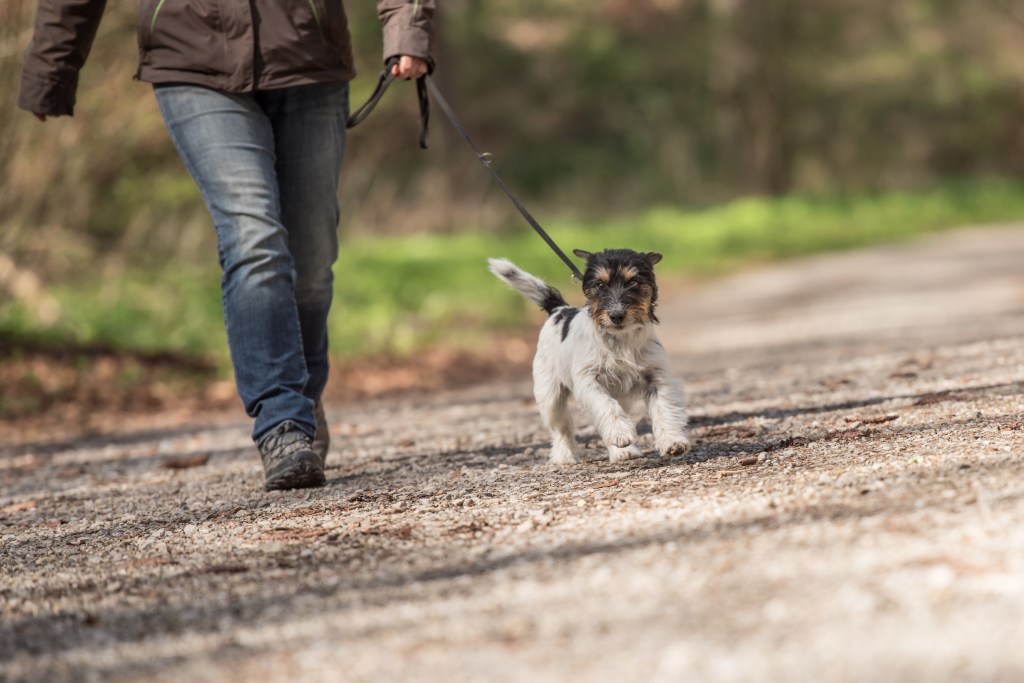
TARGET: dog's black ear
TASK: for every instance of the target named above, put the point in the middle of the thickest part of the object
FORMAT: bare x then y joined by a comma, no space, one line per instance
585,255
653,257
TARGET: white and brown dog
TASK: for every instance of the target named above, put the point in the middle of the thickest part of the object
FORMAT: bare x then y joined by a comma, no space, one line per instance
607,359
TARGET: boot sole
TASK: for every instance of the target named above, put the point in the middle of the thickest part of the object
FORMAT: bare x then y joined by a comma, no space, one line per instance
300,475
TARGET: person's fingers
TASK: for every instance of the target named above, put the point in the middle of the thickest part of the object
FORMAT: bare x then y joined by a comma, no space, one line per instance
405,67
417,67
409,67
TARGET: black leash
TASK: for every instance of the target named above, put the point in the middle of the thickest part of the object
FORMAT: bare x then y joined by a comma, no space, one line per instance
423,84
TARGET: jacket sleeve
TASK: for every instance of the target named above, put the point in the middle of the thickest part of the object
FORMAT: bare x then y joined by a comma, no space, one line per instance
64,31
408,28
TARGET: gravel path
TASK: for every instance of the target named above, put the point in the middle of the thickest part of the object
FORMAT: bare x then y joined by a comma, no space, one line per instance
853,511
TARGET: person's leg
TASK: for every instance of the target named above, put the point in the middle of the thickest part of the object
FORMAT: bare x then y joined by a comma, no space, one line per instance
309,135
227,142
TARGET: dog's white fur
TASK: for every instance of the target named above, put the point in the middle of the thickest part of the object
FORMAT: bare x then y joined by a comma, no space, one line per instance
606,371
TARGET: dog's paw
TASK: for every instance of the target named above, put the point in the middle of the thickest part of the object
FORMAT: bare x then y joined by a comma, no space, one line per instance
621,434
620,454
675,447
562,456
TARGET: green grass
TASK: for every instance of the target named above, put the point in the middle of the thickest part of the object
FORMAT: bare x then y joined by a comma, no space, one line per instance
397,294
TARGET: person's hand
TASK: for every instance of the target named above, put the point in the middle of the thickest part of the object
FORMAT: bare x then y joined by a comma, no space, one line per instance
409,68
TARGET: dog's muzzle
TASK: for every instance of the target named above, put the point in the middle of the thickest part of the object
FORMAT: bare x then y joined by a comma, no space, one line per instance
617,316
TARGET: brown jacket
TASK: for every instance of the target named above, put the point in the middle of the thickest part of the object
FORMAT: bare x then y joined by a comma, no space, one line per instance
232,45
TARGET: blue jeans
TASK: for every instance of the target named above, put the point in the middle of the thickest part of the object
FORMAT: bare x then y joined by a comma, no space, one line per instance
267,164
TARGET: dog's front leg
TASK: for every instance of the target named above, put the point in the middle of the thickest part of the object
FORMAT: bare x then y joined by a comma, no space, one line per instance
667,408
553,402
609,418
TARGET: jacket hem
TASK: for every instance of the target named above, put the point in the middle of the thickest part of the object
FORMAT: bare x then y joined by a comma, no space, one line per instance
224,84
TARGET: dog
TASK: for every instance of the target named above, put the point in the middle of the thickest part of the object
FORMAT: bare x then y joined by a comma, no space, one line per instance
604,354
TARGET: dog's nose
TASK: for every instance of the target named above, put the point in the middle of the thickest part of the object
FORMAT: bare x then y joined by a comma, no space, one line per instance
617,317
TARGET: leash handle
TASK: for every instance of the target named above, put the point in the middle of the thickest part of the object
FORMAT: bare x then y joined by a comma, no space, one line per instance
487,160
384,81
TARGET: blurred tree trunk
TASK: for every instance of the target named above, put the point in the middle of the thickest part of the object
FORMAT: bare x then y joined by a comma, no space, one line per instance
12,26
766,28
447,78
459,30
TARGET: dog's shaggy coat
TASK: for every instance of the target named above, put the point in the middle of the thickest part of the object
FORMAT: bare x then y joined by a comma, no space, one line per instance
606,355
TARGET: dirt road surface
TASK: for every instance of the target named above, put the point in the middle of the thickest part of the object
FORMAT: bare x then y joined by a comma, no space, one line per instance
853,511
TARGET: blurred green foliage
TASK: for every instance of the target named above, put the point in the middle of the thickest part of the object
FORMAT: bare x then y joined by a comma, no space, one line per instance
657,124
395,295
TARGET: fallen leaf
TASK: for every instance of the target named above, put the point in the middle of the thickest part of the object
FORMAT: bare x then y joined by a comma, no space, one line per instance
871,419
19,507
731,430
186,461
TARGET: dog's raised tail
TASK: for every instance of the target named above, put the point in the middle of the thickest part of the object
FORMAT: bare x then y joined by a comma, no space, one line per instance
530,286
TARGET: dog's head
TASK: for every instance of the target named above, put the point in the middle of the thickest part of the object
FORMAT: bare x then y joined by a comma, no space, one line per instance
620,287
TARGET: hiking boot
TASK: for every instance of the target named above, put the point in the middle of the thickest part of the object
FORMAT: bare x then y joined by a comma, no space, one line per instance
288,459
322,440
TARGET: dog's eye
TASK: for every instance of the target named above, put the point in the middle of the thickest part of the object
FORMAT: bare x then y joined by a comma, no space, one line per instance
631,284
